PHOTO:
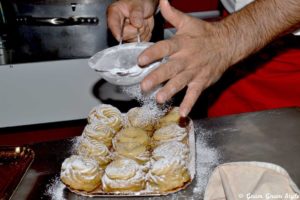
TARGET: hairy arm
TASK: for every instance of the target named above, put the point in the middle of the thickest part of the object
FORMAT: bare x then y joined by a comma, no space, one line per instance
259,23
200,52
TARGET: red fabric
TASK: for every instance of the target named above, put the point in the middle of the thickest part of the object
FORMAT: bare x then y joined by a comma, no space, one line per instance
195,5
275,84
42,134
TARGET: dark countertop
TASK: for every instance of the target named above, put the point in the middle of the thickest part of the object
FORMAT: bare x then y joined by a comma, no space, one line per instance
267,136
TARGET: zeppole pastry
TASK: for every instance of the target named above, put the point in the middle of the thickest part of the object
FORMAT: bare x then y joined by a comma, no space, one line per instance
99,132
94,149
132,135
123,175
171,132
132,143
106,114
168,174
172,116
81,173
170,150
138,117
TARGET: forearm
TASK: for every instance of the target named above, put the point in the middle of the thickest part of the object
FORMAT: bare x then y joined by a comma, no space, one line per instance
256,25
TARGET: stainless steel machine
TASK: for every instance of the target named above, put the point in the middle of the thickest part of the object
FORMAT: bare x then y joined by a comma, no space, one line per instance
55,29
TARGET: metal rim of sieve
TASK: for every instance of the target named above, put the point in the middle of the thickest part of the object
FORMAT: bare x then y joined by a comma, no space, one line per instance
95,63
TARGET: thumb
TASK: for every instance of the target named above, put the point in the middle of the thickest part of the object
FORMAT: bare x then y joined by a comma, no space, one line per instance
136,16
172,15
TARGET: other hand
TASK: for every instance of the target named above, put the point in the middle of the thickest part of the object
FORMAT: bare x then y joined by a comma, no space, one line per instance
138,14
198,53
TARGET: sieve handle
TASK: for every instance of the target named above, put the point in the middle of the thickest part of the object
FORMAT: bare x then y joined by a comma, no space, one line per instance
138,35
122,32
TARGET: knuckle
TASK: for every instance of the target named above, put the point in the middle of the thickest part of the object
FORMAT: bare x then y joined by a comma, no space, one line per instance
155,77
169,70
113,8
173,70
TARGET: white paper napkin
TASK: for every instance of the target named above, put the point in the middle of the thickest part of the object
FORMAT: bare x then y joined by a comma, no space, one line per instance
250,180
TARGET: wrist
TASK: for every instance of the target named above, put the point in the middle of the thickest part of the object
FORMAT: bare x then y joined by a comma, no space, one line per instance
226,41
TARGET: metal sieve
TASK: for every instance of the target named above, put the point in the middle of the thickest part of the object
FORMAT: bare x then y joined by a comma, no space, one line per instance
118,64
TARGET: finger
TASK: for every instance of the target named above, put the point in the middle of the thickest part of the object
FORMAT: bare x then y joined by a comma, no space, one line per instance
172,15
161,74
173,86
192,94
143,36
149,24
148,37
114,21
136,15
130,32
158,51
145,33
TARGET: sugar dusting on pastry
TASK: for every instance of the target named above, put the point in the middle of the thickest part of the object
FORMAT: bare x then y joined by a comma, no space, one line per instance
168,173
151,110
94,149
123,175
81,173
172,132
171,149
106,114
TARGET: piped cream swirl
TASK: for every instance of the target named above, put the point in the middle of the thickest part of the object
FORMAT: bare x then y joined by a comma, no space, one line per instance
99,132
95,150
168,174
172,132
123,174
81,173
171,149
106,114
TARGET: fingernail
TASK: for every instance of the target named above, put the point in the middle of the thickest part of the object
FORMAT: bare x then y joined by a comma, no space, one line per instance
161,98
184,112
143,60
138,22
146,85
173,91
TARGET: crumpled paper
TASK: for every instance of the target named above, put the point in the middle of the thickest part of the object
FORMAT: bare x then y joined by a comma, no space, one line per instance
250,180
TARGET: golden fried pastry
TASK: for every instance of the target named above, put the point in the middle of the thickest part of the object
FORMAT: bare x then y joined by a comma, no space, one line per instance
81,173
172,116
170,150
99,132
123,175
139,118
171,132
106,114
132,143
168,174
94,149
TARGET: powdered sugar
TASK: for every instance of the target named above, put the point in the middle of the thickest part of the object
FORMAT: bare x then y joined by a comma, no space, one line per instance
207,159
75,166
171,149
123,173
172,132
56,189
106,114
152,110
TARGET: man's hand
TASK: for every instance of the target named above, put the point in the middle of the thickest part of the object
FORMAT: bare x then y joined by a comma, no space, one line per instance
138,14
197,56
200,52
